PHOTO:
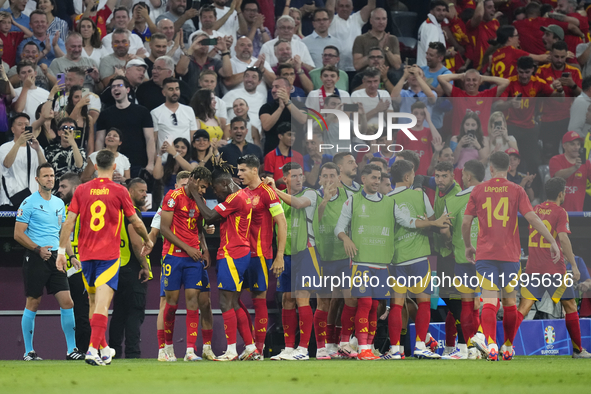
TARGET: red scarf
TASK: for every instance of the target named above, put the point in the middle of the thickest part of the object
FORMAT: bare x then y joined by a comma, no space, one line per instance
322,96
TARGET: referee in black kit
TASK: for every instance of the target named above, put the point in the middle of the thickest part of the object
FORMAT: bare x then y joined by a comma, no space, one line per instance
38,223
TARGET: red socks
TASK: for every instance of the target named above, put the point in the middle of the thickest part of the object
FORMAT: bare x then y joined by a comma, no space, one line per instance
306,322
489,323
207,336
395,324
330,337
574,330
99,327
476,319
320,327
347,322
169,317
510,324
192,323
245,309
230,326
450,329
520,318
160,335
422,320
362,320
467,321
373,321
289,317
261,316
244,326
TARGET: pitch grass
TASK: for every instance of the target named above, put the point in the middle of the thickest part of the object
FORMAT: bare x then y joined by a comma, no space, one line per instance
522,375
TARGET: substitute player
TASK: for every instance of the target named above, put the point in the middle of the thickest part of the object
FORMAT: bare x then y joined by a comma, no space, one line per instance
266,210
540,265
101,204
185,258
496,204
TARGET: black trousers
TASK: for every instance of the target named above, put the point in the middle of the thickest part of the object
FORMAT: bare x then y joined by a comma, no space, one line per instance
551,134
129,307
529,151
81,305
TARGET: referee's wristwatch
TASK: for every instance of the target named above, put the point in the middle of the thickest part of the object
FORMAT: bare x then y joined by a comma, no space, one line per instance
37,249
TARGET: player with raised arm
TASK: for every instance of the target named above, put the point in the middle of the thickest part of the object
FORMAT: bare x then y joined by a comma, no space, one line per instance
184,260
101,204
233,258
540,266
266,210
496,204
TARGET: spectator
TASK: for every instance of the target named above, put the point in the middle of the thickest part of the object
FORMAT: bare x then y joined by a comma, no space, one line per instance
180,16
77,109
240,109
172,119
576,170
283,153
227,18
245,60
250,94
580,120
238,145
330,57
254,28
197,60
113,141
523,180
384,153
5,99
113,64
209,25
285,30
552,34
499,138
465,100
418,90
209,80
158,47
470,144
202,150
375,101
304,10
284,56
135,72
19,159
314,160
135,122
431,30
74,58
10,39
45,126
179,159
482,28
174,48
55,23
566,11
29,97
43,39
434,66
287,71
121,22
331,136
320,37
45,77
330,77
280,110
555,115
98,16
16,9
149,93
346,26
143,26
76,77
91,40
376,37
66,156
388,76
296,14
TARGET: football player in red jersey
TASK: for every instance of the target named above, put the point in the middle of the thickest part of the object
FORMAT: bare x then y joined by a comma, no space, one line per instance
496,204
541,267
101,204
233,259
266,212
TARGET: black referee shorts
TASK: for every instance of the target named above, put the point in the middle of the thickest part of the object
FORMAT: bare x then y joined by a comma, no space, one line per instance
38,273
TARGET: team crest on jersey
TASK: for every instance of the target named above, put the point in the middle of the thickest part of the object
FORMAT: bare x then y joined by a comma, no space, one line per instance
171,203
255,201
191,213
532,92
479,102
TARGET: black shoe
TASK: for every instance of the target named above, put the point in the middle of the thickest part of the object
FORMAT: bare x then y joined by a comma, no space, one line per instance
32,356
75,355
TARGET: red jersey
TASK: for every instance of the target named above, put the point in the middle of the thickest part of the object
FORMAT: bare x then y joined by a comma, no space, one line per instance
530,33
556,110
496,203
11,42
479,37
100,203
236,211
536,87
100,19
422,146
458,29
540,260
274,161
481,103
265,206
571,40
575,184
504,61
185,220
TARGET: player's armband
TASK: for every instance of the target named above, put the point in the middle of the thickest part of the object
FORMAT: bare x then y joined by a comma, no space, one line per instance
276,209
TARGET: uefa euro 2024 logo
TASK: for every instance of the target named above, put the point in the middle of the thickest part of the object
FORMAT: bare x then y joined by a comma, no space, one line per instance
549,335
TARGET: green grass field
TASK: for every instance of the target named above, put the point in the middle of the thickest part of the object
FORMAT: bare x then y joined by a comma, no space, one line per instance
522,375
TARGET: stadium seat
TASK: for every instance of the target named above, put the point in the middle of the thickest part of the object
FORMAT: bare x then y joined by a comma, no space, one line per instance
404,23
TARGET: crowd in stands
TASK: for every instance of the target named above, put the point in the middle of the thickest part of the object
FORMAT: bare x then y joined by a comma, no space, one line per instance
168,87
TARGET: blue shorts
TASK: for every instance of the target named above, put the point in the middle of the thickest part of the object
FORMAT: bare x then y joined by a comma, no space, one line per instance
369,282
307,270
96,273
284,280
466,281
337,267
414,278
558,288
256,277
498,275
231,272
183,271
